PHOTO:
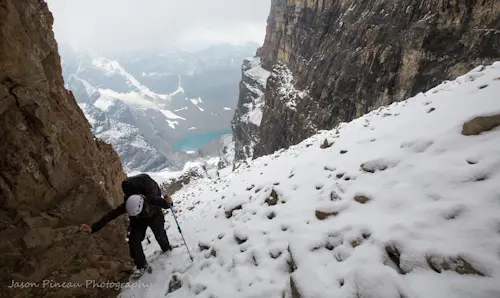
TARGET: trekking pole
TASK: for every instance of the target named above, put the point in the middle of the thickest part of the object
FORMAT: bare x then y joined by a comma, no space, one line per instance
179,228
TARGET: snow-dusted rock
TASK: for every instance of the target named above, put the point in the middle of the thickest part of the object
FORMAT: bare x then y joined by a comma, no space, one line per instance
248,114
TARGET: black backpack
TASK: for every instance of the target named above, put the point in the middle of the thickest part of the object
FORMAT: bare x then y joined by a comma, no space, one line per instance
144,185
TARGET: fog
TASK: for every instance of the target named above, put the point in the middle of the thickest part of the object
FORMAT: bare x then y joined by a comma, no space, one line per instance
116,25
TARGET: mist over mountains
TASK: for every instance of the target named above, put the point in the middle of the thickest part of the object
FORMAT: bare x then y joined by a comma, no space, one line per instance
156,108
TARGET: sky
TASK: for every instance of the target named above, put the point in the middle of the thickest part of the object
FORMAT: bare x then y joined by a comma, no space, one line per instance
112,25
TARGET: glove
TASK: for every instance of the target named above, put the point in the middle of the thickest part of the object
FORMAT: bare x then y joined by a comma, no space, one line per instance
169,201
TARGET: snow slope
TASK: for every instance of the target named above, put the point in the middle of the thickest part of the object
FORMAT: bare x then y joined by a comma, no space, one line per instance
398,203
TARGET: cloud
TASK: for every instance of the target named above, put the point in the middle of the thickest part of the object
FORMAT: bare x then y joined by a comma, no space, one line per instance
158,24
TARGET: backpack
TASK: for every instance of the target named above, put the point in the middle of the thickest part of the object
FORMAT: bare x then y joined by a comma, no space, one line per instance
144,185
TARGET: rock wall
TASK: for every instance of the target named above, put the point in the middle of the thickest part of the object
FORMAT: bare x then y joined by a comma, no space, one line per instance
248,114
54,173
343,58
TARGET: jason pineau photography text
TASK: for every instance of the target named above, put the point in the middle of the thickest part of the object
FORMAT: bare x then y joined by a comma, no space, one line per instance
90,283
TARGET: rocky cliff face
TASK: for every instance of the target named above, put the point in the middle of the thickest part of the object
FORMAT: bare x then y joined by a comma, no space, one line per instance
54,173
248,114
340,59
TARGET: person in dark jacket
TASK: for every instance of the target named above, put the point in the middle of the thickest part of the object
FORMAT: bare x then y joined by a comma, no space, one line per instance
143,202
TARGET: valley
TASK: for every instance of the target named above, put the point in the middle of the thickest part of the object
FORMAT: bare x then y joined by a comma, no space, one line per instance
153,107
197,141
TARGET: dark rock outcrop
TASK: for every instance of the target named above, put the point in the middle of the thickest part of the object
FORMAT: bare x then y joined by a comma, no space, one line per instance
333,61
54,173
176,183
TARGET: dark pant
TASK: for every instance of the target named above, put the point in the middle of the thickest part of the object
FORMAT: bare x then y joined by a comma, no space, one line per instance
138,232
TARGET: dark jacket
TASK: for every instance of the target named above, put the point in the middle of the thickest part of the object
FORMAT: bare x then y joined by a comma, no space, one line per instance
141,184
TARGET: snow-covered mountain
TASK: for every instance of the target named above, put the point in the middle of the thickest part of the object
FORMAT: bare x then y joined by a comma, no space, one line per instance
147,104
401,202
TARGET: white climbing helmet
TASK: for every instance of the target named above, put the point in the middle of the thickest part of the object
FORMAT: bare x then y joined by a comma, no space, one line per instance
134,205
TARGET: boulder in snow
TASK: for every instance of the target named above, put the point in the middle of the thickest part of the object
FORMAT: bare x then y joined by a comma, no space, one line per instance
273,200
361,199
321,215
480,124
380,164
457,264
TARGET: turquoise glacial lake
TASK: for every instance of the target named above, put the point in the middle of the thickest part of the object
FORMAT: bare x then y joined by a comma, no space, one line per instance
197,140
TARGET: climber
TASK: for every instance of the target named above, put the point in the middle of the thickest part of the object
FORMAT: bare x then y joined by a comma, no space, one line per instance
143,203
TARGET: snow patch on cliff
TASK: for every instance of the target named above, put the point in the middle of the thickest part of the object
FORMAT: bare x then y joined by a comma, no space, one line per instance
88,87
196,102
256,72
171,115
112,67
286,88
258,77
172,124
103,103
181,109
132,98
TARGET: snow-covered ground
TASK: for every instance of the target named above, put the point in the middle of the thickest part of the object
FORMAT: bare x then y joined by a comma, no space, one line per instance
397,203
